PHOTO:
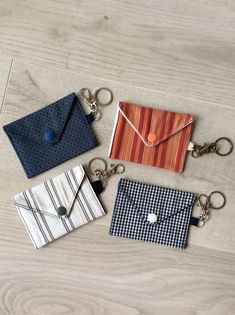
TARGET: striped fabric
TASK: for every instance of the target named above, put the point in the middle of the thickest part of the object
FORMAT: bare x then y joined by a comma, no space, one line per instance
37,206
151,136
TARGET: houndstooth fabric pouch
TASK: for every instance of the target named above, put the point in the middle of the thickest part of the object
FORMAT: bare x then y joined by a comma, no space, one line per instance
151,213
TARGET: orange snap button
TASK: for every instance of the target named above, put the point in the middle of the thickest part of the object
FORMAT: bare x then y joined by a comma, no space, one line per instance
152,137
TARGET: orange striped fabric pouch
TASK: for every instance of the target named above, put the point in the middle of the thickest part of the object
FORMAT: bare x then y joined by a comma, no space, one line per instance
151,136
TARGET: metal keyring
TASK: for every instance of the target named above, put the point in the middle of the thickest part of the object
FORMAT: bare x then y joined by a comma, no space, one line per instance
97,159
226,140
219,193
96,96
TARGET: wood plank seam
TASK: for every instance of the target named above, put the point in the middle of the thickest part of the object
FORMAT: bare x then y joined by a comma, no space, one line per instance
6,86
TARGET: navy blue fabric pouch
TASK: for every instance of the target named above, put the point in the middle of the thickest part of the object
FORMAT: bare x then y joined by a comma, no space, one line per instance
51,135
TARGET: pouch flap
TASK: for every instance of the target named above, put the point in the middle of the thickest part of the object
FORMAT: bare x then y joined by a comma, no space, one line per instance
47,197
45,125
163,202
153,125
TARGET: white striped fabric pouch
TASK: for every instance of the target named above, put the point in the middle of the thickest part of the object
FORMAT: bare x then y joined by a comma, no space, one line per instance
41,207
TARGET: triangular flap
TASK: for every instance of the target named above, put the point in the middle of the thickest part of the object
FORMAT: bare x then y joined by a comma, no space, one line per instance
170,203
59,191
51,119
154,125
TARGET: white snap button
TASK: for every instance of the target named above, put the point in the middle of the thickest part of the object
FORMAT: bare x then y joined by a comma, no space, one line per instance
152,217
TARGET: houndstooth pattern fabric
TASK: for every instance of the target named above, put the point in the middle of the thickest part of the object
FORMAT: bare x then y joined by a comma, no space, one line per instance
135,201
72,131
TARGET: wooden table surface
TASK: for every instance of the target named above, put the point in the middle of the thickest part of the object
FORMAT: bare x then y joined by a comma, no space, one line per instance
176,55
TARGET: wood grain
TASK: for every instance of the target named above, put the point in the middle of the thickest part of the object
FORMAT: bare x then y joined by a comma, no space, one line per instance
160,53
185,47
89,272
31,87
5,66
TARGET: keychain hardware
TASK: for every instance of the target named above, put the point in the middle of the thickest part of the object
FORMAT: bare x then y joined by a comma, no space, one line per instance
103,174
206,205
93,100
213,147
206,148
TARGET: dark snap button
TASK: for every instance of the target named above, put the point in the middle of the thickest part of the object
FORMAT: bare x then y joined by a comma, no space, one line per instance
61,211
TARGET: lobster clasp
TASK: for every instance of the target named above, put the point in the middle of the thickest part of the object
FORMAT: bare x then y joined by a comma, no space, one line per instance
214,147
105,172
206,203
206,148
94,101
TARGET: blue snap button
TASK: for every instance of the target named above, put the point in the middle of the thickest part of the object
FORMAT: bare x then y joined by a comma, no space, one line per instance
49,136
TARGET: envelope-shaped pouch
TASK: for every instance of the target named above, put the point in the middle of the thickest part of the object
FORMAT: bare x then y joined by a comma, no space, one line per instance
151,136
39,206
51,135
150,213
